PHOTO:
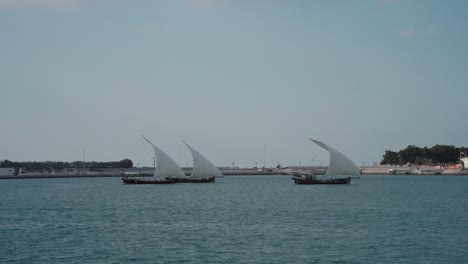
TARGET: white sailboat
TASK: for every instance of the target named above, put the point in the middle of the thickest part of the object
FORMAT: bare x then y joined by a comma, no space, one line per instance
340,167
166,170
202,167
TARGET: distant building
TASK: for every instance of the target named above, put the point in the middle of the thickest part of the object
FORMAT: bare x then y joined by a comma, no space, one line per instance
464,163
7,171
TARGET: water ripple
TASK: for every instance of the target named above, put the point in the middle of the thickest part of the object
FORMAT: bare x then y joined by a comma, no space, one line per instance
378,219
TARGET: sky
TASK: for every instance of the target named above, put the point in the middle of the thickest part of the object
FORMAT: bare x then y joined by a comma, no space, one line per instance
241,81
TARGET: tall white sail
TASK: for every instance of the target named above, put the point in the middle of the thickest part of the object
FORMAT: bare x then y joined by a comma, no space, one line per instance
339,163
202,168
165,166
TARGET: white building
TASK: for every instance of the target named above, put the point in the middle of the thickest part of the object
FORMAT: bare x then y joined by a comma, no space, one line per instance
464,163
7,171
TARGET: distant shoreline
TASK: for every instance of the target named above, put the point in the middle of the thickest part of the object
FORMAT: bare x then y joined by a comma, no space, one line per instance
147,172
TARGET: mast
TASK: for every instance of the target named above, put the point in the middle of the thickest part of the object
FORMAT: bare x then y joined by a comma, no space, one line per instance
84,159
178,150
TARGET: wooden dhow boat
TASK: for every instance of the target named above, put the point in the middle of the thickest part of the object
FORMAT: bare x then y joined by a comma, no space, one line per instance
340,169
167,171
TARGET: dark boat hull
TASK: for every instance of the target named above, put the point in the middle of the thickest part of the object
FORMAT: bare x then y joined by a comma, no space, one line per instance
320,181
144,181
193,180
168,180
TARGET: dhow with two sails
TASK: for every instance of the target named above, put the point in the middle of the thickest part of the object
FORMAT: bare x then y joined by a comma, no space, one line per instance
167,171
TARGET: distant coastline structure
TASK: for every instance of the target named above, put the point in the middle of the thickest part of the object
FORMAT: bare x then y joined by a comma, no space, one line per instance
7,171
464,163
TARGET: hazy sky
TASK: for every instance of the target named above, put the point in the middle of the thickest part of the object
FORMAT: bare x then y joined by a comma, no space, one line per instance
235,79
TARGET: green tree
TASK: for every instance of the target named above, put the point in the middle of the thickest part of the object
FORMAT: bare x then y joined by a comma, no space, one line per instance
126,163
443,154
7,164
390,158
409,154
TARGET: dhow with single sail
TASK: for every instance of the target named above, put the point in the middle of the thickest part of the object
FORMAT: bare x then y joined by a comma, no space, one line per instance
339,171
166,170
203,170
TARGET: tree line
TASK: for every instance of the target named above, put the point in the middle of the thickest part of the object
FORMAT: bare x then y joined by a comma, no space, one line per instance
436,155
60,165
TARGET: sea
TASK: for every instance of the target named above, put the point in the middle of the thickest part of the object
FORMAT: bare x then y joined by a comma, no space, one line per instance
238,219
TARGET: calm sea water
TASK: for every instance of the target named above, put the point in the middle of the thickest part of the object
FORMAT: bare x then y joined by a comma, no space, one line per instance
264,219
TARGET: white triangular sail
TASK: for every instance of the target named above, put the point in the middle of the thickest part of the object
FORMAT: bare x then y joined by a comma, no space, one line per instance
339,163
165,166
202,168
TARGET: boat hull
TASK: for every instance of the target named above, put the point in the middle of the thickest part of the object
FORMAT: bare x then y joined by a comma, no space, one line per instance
320,181
167,180
193,180
143,181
